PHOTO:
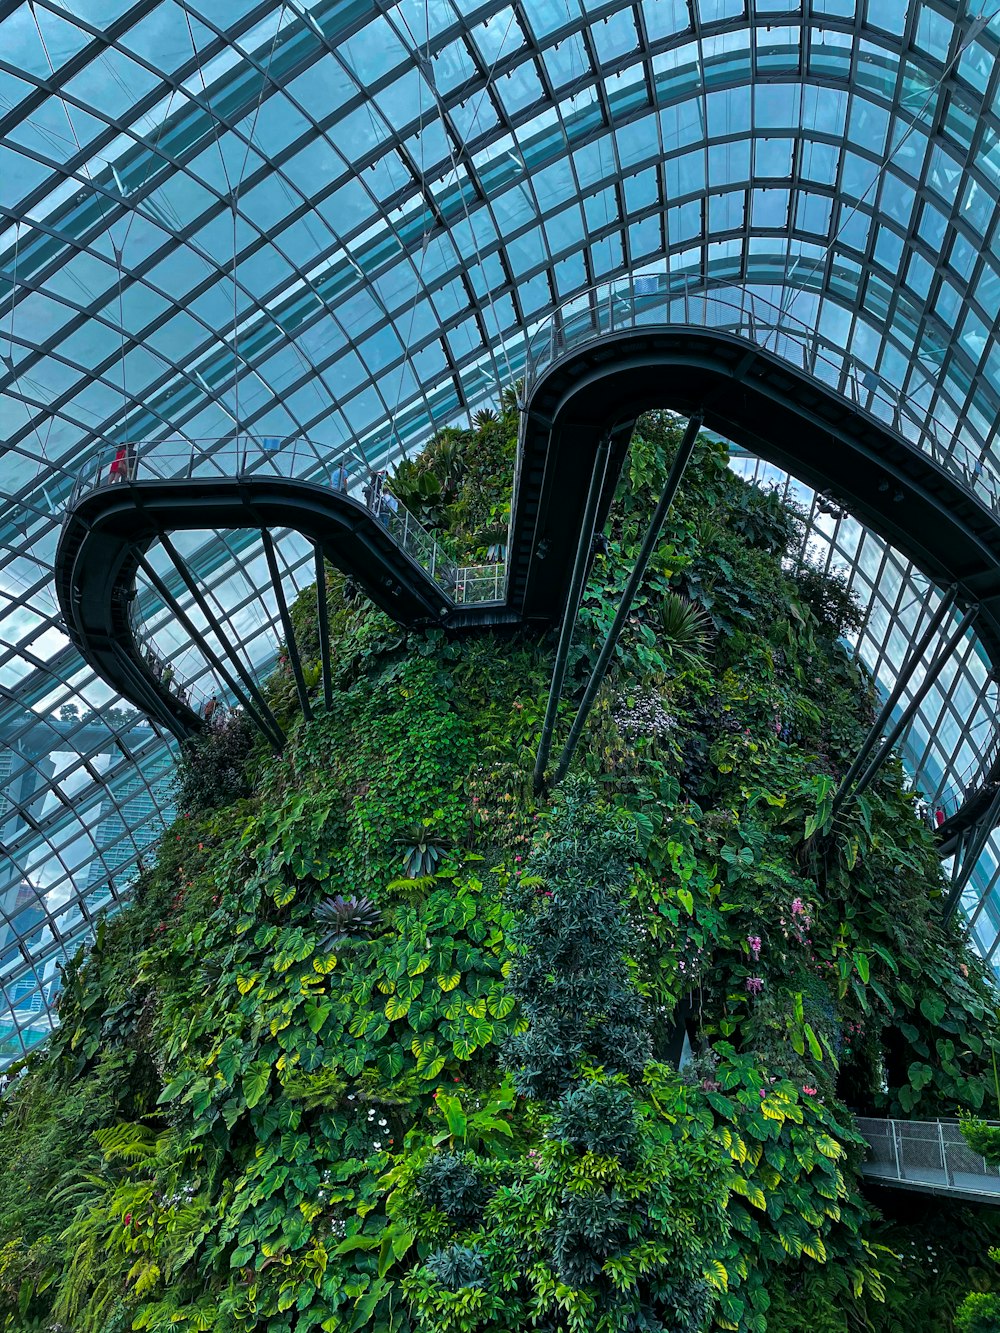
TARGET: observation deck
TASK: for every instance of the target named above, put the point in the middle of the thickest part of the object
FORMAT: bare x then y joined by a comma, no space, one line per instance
760,377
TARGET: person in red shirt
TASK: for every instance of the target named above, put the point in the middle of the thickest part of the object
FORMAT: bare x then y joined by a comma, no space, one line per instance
117,470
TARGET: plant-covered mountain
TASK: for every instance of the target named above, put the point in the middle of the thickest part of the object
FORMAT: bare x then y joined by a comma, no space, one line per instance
385,1043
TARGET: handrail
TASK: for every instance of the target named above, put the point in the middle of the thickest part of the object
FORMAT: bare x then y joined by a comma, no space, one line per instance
926,1154
946,803
635,302
297,459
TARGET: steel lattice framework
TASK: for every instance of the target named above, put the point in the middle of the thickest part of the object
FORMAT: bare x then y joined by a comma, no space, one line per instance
336,220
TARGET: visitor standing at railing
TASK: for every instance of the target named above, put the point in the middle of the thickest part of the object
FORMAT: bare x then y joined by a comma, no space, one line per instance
340,478
118,466
373,491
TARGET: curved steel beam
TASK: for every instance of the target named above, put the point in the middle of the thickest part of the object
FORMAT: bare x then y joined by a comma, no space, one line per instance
108,531
590,393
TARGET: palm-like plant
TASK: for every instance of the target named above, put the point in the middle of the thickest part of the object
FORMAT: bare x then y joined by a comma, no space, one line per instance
683,627
422,850
347,919
494,538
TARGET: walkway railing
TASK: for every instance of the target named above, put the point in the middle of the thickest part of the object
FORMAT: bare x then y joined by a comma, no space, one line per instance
927,1154
748,312
204,704
175,458
950,799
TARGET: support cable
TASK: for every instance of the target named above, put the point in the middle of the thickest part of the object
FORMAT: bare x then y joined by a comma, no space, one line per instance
584,550
265,722
902,680
286,624
681,459
930,677
272,729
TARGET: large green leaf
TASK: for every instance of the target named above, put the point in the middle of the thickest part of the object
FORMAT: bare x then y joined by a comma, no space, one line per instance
255,1081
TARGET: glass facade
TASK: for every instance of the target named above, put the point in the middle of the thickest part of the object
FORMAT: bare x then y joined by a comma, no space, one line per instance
339,220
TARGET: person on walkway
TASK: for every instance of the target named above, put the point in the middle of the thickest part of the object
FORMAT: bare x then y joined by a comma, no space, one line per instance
340,478
209,710
168,677
390,506
373,491
117,470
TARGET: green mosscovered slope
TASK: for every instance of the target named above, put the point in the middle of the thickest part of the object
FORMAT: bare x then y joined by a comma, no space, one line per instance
383,1042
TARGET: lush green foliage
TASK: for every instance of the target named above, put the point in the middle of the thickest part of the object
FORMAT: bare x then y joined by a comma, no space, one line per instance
385,1044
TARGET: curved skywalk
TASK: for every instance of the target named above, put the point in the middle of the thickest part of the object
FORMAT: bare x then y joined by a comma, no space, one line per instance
726,354
312,221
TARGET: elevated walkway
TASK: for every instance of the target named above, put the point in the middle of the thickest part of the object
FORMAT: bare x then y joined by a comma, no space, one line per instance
929,1156
129,498
761,378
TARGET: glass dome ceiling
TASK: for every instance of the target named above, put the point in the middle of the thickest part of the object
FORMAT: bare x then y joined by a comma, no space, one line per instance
337,220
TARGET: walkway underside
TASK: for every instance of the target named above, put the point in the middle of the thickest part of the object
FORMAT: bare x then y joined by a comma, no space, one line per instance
598,390
110,529
763,404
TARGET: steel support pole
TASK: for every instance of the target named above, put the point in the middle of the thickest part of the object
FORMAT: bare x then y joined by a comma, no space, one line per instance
971,849
286,624
584,550
264,721
885,716
894,1131
681,459
272,728
930,676
323,623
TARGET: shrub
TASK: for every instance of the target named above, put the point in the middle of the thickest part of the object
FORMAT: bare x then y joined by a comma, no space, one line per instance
448,1181
571,939
456,1267
212,768
598,1118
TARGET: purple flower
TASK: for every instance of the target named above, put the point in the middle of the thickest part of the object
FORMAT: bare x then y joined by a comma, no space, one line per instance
754,985
754,942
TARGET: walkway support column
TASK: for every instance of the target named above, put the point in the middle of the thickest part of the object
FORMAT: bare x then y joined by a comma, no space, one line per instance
930,676
584,550
896,693
272,728
681,460
286,624
264,720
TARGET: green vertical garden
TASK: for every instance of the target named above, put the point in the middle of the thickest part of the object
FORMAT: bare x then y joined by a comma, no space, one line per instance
383,1042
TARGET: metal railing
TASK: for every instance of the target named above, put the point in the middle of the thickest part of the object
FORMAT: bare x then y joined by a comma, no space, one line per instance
930,1154
949,800
202,703
748,312
175,458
